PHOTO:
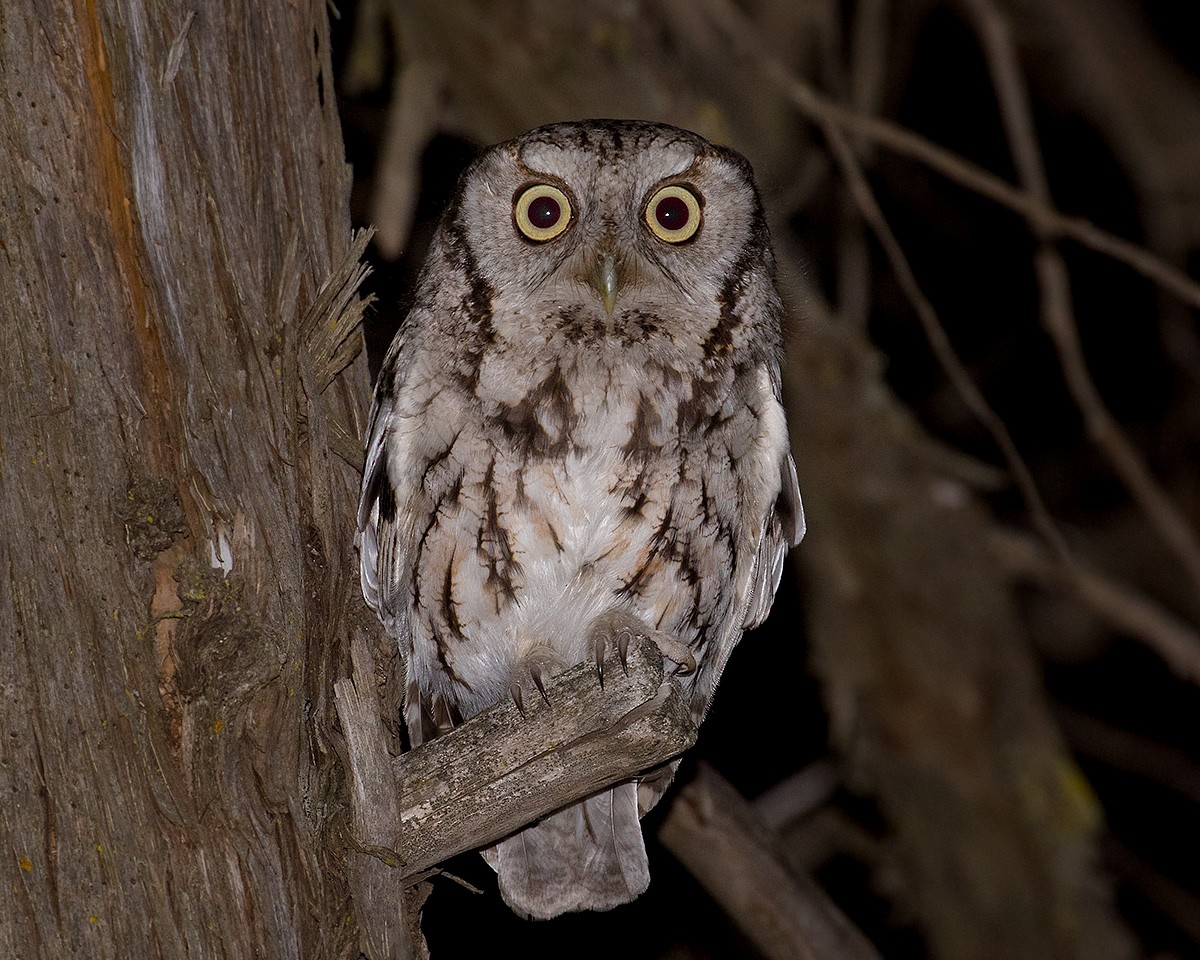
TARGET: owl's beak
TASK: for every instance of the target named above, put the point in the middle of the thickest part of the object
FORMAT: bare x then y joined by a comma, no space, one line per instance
606,282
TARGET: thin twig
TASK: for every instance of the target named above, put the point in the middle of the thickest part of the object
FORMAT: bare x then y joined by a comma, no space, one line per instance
825,112
1116,603
868,59
1054,283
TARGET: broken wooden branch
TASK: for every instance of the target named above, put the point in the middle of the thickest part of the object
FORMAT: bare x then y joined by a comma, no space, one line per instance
387,928
504,769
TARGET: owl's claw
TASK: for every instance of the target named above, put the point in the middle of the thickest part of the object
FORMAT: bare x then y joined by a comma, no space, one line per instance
599,644
677,652
518,694
618,628
538,672
623,638
536,667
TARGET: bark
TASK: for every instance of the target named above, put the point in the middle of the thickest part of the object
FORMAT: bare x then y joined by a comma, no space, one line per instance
179,585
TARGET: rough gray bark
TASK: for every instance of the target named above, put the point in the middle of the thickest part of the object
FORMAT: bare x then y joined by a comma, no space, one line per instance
179,589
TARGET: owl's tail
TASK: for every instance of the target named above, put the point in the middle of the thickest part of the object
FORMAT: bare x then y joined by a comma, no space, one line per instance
587,857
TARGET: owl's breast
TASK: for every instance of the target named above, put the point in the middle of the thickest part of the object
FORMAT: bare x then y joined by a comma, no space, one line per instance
561,500
568,489
578,512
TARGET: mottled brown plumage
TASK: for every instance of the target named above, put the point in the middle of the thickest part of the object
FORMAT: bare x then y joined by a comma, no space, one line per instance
578,432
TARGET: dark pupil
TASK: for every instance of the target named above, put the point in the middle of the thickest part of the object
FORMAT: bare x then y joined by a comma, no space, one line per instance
671,213
544,212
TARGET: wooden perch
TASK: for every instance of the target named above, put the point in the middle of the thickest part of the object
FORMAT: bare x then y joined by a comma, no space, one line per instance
502,770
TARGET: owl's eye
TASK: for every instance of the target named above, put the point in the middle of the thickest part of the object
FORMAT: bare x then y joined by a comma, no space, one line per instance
673,214
542,212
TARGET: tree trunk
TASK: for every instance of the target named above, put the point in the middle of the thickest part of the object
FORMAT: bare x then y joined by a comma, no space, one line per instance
179,585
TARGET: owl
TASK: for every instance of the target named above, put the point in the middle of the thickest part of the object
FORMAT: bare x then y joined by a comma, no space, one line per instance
577,437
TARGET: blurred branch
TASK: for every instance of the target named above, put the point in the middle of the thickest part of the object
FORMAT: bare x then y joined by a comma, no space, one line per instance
868,61
831,832
1054,282
796,796
1120,605
1104,61
713,832
1131,753
412,120
742,33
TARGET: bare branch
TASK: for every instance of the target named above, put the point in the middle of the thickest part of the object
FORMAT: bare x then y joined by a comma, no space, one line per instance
502,770
826,113
1173,901
1054,282
1117,603
1092,737
939,341
713,832
411,123
868,58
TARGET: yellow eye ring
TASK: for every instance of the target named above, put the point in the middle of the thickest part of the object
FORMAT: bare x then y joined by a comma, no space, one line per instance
673,214
542,212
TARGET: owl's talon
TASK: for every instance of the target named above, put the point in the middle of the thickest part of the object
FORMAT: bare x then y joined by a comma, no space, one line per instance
677,652
618,628
530,672
518,694
539,680
687,667
598,647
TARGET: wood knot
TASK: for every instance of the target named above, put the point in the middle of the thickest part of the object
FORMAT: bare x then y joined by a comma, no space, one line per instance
153,517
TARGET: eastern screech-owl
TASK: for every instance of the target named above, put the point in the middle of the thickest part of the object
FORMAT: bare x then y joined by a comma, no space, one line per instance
577,435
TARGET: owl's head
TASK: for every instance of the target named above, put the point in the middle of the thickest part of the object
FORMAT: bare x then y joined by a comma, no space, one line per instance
612,228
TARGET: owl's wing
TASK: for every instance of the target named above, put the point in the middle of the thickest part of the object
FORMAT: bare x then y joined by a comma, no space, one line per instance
387,517
383,516
783,526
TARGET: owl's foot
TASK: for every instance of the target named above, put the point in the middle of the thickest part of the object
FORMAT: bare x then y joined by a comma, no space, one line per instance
536,669
619,627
